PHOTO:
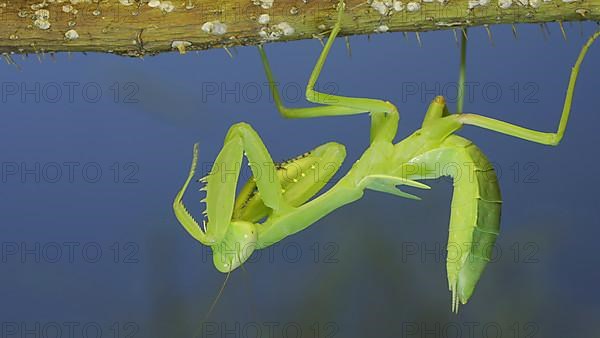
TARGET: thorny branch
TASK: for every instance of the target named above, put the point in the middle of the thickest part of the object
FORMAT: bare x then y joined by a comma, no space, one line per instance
143,27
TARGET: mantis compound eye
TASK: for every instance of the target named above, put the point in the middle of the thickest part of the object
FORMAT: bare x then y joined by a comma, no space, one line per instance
236,247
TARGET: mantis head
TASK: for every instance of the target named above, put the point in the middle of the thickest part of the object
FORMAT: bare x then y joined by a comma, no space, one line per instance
236,247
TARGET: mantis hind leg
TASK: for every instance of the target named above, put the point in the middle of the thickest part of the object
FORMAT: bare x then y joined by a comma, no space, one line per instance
438,109
460,100
529,134
384,114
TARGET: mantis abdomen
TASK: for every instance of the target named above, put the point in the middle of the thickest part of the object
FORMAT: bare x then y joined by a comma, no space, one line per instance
475,210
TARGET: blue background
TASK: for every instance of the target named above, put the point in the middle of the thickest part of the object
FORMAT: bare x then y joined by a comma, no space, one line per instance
375,268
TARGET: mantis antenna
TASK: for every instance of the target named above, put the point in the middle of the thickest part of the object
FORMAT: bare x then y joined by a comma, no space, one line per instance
213,305
218,298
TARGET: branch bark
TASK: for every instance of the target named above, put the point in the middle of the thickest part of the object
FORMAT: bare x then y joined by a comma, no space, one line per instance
142,27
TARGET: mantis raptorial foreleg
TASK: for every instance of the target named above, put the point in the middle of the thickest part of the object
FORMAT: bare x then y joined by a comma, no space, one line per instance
224,240
222,181
221,232
183,216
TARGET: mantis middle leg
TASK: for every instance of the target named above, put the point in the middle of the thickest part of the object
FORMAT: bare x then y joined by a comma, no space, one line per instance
384,114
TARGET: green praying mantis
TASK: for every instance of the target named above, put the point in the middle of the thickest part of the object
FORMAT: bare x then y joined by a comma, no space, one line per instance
279,199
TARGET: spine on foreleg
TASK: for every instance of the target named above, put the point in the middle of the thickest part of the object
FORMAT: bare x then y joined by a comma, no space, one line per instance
474,223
